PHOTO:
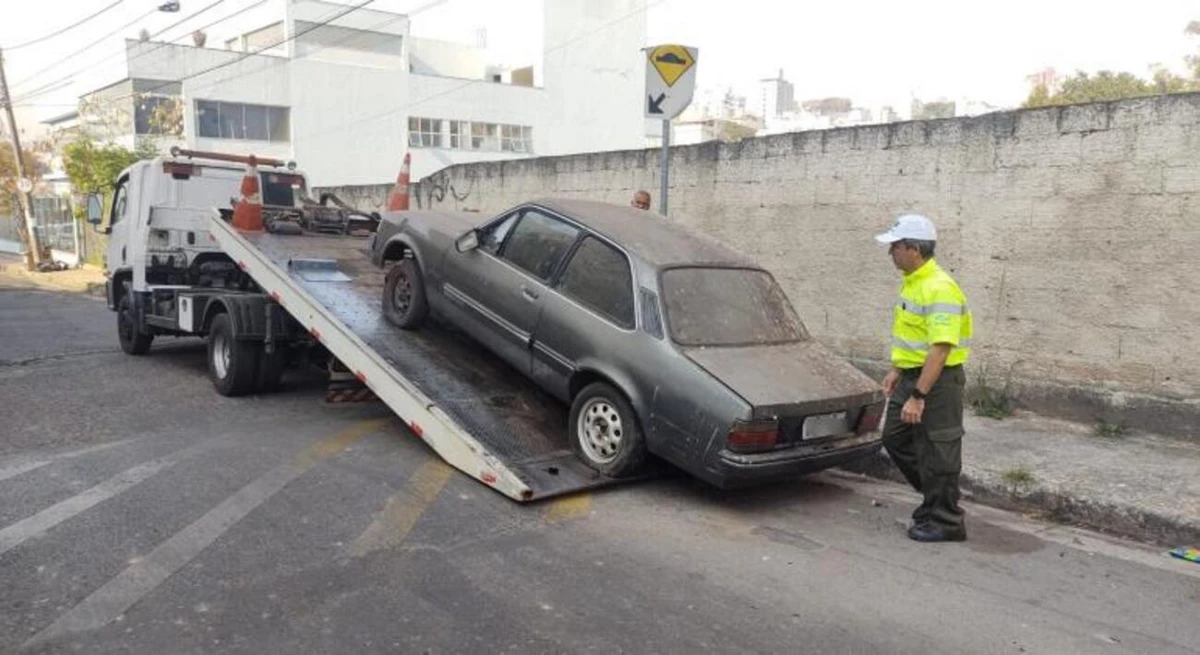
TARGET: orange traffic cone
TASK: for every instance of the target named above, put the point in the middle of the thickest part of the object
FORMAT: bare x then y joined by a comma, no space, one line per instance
247,214
398,201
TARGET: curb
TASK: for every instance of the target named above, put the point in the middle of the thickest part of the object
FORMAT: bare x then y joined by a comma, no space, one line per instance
47,282
1058,505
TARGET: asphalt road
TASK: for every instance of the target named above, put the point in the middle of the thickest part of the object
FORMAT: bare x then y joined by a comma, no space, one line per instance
142,513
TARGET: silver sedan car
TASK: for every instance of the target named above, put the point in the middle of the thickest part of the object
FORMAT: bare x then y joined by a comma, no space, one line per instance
662,340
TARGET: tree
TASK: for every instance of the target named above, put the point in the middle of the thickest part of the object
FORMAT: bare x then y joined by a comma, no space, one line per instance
1193,61
1106,85
9,205
94,168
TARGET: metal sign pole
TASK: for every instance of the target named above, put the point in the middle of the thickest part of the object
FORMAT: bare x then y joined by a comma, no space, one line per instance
666,166
670,84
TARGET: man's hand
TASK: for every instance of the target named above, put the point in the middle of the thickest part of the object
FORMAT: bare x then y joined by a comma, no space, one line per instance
890,380
912,410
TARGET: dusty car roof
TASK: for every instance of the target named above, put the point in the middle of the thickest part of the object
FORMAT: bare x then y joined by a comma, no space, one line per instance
647,234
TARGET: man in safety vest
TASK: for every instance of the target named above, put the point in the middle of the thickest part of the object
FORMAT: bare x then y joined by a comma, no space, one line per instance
931,339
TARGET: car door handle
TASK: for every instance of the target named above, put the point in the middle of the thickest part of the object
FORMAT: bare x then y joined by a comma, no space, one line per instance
530,294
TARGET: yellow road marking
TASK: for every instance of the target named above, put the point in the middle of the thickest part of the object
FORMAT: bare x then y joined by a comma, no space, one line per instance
404,509
568,508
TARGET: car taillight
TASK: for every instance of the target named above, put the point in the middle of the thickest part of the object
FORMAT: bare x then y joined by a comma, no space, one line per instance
753,436
869,420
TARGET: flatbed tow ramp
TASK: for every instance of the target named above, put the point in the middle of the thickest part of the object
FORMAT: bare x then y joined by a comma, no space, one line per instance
469,406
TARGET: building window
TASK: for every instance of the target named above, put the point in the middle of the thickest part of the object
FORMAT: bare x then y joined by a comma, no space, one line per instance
233,120
484,137
469,135
460,134
516,138
425,132
158,115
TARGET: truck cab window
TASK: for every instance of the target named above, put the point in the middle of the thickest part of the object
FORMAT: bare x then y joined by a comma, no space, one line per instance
120,201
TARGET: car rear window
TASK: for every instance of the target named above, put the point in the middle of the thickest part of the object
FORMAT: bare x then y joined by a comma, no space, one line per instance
727,307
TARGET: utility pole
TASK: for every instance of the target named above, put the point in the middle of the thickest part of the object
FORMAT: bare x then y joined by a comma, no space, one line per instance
33,256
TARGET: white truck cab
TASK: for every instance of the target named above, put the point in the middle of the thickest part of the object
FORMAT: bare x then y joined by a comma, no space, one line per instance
167,276
160,207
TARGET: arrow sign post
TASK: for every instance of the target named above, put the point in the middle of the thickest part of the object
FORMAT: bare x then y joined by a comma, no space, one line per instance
670,84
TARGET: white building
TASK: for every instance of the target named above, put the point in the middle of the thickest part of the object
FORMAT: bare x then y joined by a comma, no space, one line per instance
345,96
778,97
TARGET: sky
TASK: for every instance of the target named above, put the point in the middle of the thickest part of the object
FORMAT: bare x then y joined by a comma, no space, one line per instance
875,52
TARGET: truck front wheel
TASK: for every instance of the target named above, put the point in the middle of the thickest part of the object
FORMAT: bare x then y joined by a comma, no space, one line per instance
133,340
232,364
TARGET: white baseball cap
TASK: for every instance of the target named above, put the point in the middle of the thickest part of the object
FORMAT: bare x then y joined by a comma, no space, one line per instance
909,226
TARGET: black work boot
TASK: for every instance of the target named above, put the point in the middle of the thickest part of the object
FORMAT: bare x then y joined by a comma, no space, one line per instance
931,532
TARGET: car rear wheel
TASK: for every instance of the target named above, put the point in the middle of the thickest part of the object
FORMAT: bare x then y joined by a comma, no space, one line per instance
404,302
605,433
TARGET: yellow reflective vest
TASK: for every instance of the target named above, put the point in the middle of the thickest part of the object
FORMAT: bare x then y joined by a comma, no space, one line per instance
932,309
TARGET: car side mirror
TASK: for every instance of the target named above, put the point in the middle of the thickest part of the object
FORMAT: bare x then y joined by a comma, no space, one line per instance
467,242
95,209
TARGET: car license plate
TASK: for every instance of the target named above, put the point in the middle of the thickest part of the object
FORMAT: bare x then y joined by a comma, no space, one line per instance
824,425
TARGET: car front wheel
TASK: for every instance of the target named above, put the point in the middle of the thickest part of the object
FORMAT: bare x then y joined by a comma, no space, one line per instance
605,433
404,302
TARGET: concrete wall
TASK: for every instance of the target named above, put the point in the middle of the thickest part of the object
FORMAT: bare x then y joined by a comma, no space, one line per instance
1073,231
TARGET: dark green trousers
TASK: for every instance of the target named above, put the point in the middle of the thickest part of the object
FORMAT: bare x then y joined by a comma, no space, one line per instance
929,453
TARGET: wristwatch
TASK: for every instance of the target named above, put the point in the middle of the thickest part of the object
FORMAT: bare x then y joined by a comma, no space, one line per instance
918,394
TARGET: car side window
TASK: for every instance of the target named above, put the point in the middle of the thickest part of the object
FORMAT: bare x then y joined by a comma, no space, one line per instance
538,243
599,278
120,202
493,235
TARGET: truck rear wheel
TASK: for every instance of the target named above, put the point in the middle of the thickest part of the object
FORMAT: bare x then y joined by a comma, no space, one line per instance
271,368
404,303
133,340
232,364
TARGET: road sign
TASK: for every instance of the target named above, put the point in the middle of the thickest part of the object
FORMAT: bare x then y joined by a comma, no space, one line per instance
24,185
670,80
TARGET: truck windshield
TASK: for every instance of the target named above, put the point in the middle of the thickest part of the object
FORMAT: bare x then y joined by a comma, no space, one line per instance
727,307
279,189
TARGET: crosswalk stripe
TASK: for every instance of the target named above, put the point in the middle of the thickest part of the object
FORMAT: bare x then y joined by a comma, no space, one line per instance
131,585
18,465
36,525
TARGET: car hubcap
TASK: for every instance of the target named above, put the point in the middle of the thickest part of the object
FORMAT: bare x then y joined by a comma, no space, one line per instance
600,430
402,294
221,355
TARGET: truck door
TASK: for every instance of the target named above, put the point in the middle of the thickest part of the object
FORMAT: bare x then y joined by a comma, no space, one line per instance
118,256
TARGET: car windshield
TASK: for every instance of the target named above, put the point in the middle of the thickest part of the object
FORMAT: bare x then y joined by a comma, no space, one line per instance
727,307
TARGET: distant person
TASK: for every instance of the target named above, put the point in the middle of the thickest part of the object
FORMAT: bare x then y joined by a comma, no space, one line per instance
641,200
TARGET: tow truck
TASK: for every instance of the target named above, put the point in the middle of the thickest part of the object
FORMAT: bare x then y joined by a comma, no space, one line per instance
305,286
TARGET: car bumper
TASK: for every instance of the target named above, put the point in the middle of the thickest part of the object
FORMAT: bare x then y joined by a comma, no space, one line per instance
736,469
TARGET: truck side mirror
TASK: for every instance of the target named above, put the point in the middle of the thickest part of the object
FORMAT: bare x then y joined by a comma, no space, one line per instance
467,242
95,209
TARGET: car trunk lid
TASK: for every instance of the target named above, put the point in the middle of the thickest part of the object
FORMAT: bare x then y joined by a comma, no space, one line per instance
793,383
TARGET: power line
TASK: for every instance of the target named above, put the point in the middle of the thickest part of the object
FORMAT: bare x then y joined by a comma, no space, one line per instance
62,81
244,56
286,61
63,30
86,47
